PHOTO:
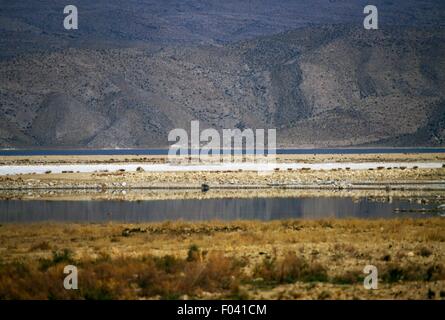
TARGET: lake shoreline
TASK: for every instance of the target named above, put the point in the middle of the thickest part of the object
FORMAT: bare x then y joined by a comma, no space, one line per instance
327,255
323,173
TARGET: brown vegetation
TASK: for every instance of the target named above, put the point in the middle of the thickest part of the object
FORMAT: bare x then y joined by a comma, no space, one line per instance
273,260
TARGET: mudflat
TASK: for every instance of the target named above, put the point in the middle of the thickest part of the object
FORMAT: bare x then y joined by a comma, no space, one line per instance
404,175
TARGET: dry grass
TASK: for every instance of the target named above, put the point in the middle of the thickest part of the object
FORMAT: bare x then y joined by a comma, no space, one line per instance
290,268
278,259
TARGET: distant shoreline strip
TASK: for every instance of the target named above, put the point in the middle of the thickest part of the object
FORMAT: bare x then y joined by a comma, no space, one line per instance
164,152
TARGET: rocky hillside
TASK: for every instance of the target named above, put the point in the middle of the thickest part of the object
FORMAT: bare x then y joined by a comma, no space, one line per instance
319,86
30,25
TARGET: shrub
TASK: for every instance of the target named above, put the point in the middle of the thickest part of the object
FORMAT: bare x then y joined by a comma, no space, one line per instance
169,264
217,273
64,255
324,295
349,277
193,253
44,245
425,252
413,272
290,268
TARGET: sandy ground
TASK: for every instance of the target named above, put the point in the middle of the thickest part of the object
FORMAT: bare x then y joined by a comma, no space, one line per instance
387,172
382,179
400,157
323,172
260,168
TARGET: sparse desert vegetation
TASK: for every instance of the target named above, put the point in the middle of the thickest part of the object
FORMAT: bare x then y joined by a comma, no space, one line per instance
319,259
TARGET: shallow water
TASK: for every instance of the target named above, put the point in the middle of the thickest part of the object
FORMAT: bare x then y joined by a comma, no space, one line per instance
210,209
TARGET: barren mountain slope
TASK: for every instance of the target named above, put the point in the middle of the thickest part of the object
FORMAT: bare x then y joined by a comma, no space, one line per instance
319,86
30,26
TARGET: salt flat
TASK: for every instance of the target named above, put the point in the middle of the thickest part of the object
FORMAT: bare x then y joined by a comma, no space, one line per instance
245,166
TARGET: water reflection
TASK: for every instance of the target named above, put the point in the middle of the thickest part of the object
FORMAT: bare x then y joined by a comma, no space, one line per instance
207,209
